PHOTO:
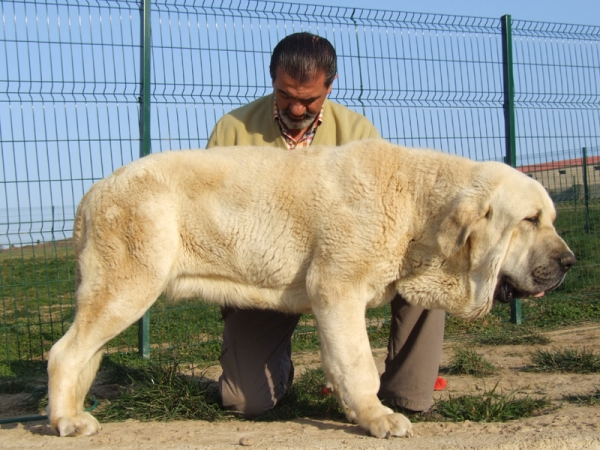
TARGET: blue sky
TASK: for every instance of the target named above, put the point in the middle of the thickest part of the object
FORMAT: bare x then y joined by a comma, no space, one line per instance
583,12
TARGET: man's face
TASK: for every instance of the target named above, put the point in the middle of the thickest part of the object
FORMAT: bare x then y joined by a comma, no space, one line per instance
299,103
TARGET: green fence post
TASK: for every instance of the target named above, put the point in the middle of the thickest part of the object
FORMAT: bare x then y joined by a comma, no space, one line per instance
509,92
509,123
360,72
144,322
586,192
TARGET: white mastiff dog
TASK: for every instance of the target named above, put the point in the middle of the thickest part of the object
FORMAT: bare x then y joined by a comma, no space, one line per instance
331,231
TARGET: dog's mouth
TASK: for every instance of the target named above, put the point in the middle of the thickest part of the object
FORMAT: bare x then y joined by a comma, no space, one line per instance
506,292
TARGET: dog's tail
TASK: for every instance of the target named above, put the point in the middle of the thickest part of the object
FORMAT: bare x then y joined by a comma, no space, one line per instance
79,236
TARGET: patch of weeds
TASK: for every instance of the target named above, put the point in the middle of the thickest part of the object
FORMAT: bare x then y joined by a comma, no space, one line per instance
558,309
585,400
491,406
203,354
305,342
456,327
23,377
206,353
161,392
521,337
14,386
127,368
379,336
30,370
306,398
565,360
467,362
38,400
308,339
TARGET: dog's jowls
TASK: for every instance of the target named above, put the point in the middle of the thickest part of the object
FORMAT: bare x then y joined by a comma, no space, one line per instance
331,231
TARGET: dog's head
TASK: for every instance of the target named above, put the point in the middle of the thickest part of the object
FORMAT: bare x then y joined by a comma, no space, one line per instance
536,258
496,242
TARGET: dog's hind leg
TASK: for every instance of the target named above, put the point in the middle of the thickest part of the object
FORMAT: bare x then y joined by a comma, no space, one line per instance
70,377
73,361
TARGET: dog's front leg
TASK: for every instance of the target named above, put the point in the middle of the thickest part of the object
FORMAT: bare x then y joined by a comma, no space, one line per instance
350,368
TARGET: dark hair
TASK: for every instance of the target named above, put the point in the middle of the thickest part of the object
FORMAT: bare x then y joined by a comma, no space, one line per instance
304,56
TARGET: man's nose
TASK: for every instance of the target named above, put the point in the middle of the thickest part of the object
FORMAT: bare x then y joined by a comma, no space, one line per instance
297,109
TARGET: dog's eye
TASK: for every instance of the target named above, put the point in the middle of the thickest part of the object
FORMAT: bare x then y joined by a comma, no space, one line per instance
533,220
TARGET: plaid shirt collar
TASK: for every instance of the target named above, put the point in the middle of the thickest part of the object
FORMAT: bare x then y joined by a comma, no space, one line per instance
306,138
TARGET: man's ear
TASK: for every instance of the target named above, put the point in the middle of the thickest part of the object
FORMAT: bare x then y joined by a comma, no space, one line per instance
330,88
459,220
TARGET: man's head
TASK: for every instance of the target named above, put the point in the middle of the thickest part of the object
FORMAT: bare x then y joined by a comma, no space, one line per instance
303,67
304,56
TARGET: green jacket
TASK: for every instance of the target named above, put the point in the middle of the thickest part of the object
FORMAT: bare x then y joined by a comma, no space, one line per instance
253,124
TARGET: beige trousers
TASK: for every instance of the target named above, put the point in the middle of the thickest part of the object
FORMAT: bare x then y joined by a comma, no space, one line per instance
257,358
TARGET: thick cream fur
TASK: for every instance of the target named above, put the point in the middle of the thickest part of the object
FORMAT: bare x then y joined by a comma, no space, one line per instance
326,230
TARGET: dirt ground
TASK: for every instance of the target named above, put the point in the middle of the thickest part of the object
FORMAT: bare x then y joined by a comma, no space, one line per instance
569,426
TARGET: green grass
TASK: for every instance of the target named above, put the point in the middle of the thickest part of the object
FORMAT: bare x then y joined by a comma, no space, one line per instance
554,310
48,249
151,391
161,392
466,361
565,360
14,386
585,400
490,406
519,336
22,376
306,398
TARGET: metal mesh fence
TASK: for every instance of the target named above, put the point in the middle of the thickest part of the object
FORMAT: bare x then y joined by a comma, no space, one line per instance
71,102
557,93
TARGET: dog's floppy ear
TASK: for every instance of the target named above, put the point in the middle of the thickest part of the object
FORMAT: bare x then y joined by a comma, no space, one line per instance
459,219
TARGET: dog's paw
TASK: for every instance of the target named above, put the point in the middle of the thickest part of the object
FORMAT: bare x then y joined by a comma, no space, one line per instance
350,416
390,425
83,424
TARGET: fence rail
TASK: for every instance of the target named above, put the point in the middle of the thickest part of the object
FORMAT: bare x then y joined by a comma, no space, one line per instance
74,106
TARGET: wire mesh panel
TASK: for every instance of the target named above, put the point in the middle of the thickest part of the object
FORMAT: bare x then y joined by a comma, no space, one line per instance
557,108
70,93
557,87
68,117
424,80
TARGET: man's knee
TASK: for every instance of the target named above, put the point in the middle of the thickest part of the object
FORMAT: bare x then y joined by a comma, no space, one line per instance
252,404
261,394
256,359
253,407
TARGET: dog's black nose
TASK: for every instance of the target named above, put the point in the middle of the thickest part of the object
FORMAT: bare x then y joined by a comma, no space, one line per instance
567,260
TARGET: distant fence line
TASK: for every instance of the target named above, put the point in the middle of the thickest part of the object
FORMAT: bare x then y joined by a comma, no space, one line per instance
89,85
